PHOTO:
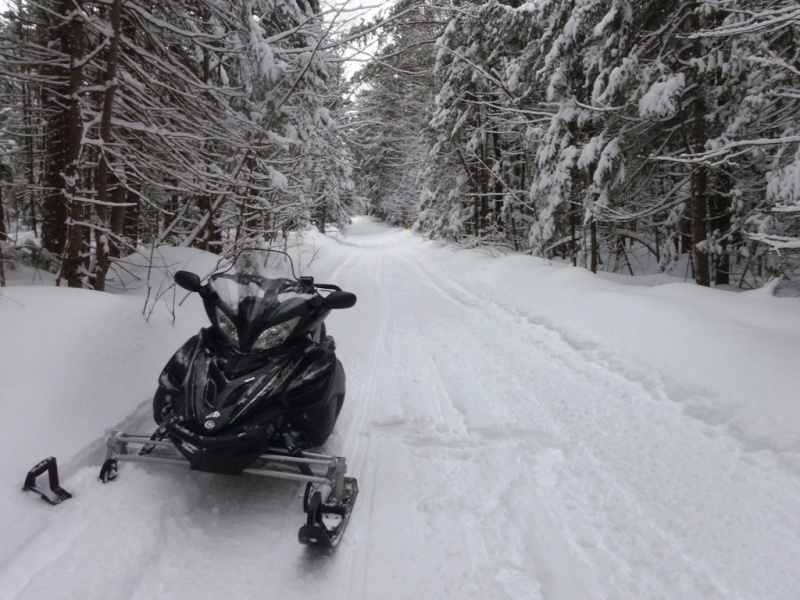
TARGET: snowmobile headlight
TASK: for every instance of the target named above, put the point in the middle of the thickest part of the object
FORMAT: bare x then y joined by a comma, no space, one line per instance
275,335
227,327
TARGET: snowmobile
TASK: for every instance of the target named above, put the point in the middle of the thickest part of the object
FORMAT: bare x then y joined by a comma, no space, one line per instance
256,392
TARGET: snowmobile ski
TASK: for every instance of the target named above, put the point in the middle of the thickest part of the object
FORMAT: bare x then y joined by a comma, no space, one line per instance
326,521
56,494
329,495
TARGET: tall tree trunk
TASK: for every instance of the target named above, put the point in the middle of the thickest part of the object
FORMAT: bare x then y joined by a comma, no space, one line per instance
700,173
3,232
27,117
3,237
72,46
108,228
54,205
31,127
130,218
211,238
719,219
700,226
575,213
119,196
498,183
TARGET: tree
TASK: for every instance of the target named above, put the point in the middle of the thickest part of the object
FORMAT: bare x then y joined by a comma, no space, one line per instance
183,122
484,115
390,112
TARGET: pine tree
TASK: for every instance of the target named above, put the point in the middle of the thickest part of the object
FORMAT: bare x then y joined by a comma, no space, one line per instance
194,123
392,108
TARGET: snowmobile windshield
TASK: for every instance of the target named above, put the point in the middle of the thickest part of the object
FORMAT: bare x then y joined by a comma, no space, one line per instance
249,293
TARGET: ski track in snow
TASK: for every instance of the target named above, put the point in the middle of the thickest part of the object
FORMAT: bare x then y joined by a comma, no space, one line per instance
496,457
603,479
589,480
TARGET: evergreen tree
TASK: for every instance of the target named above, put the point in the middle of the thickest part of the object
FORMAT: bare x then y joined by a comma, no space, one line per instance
391,110
194,123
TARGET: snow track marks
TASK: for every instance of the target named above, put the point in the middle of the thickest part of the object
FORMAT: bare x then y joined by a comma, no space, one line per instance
497,457
563,469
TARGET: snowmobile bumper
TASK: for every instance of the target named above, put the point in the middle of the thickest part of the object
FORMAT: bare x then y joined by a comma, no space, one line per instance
329,495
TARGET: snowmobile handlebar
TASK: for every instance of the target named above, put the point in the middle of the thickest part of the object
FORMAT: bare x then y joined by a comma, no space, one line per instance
188,281
336,299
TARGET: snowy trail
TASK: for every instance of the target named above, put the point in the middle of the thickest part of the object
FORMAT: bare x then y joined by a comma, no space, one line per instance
496,455
542,467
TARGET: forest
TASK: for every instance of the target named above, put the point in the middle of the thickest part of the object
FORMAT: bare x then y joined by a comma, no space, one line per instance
629,136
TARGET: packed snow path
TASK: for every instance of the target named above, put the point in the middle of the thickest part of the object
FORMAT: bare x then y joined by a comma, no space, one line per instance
497,456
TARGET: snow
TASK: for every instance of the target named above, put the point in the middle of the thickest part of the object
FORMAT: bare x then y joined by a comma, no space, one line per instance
660,101
783,185
519,429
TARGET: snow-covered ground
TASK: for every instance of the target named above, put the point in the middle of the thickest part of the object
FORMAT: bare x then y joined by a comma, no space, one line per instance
519,430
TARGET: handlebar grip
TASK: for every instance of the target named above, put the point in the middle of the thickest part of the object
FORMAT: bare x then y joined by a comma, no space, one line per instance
328,286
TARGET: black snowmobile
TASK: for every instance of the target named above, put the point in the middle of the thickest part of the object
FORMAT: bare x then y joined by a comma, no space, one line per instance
256,390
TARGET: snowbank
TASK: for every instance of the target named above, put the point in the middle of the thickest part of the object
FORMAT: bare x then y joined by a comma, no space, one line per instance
74,363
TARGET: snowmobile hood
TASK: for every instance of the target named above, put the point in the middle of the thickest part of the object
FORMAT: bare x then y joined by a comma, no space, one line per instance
217,401
257,301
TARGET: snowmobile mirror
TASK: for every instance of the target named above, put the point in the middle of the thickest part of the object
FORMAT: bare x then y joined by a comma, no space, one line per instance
188,281
339,300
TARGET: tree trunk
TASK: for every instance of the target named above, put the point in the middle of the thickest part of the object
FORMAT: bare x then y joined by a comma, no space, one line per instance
27,118
719,219
699,225
54,206
211,237
130,218
498,183
108,228
117,220
3,238
700,173
575,213
3,233
72,45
